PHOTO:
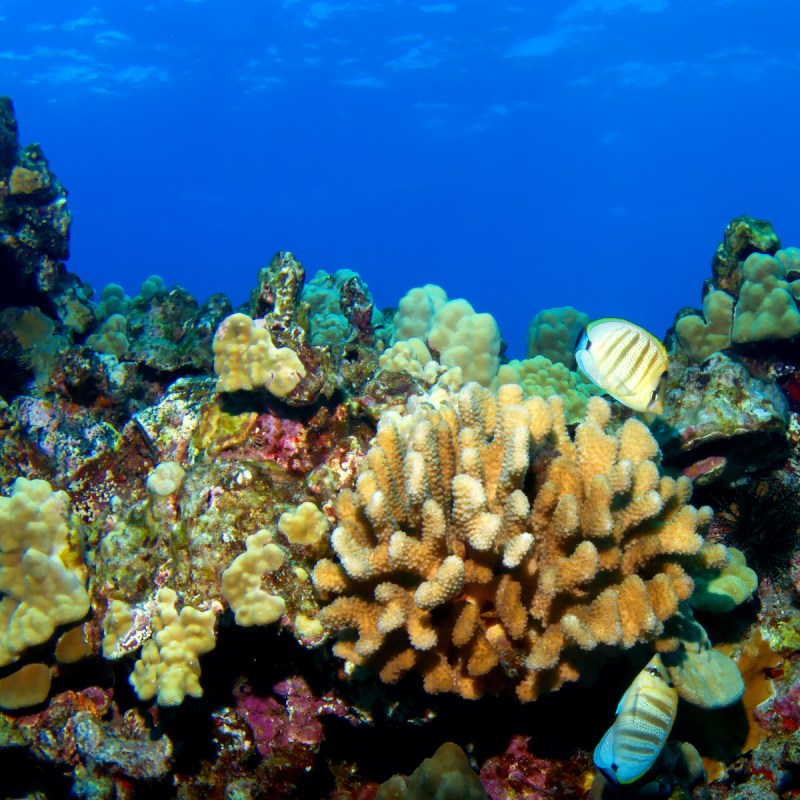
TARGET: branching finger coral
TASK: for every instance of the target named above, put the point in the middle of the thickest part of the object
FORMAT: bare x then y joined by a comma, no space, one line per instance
484,545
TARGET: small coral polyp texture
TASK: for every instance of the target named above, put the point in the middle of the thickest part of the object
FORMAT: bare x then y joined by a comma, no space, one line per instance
487,547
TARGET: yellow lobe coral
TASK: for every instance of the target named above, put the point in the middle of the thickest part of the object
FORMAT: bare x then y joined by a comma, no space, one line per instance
701,336
466,339
241,582
411,356
166,478
767,307
41,587
246,358
28,686
169,666
484,545
305,525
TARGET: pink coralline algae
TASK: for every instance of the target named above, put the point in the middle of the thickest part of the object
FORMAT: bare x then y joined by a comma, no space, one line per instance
274,439
706,467
50,732
781,713
518,774
282,726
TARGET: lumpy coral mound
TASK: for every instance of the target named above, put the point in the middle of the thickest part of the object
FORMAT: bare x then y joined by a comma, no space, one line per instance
487,547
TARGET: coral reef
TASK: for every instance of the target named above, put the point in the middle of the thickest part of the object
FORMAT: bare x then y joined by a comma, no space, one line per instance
762,517
34,232
743,237
719,408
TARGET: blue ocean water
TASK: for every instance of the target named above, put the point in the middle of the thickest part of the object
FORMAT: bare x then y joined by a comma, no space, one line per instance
522,155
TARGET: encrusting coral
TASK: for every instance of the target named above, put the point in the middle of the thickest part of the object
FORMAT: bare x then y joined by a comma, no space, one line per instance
483,539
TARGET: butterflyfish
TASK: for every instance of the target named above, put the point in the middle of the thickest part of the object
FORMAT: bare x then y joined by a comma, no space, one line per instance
626,361
644,719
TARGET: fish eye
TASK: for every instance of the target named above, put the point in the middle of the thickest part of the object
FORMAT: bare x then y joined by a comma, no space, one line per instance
652,670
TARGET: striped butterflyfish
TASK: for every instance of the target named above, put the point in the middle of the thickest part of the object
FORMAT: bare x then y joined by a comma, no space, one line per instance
644,719
626,361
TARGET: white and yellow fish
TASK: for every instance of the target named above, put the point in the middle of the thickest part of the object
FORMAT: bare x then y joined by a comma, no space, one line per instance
644,719
626,361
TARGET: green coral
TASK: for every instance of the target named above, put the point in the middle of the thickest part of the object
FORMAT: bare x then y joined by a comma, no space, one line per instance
541,377
703,676
719,591
111,338
327,321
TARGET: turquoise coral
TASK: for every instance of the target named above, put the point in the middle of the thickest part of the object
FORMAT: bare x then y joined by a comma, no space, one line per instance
554,332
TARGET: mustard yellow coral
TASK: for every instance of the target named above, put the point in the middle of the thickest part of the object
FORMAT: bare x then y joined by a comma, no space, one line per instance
241,582
246,358
39,584
484,545
306,524
701,336
169,665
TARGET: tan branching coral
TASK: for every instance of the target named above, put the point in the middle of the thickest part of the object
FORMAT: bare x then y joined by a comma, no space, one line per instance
483,540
